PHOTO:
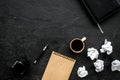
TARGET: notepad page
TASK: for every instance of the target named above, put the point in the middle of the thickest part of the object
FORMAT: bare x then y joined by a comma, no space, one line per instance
59,67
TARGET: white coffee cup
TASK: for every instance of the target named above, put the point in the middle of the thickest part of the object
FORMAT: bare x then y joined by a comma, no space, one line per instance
77,45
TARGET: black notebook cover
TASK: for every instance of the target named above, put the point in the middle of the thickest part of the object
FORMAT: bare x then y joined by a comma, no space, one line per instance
101,9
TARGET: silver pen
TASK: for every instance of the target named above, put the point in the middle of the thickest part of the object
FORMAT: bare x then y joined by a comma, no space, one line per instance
100,28
44,49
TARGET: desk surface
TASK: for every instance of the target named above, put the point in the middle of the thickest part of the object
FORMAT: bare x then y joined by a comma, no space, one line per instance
28,25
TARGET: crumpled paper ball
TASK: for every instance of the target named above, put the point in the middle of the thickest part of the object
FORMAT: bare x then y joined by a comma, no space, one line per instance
82,72
92,53
106,47
99,65
115,65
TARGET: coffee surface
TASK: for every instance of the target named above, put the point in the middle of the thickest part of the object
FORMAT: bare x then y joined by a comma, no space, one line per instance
19,68
77,45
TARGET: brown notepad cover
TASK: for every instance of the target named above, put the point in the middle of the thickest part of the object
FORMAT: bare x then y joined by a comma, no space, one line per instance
59,67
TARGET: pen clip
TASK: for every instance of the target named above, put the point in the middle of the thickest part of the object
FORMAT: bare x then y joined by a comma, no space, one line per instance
45,47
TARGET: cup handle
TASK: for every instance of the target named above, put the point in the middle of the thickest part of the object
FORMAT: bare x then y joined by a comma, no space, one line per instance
83,39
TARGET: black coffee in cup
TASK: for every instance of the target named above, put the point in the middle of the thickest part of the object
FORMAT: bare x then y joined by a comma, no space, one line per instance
20,67
77,45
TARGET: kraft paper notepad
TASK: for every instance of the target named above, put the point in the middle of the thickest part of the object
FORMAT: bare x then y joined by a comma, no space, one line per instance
59,67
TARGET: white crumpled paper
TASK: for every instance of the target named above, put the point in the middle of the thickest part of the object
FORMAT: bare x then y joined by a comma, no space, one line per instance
92,53
106,47
82,72
99,65
115,65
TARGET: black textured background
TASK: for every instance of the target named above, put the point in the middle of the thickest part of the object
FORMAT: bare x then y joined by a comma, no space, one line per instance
27,25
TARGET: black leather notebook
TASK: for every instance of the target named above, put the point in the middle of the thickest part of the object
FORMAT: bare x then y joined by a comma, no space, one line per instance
101,9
